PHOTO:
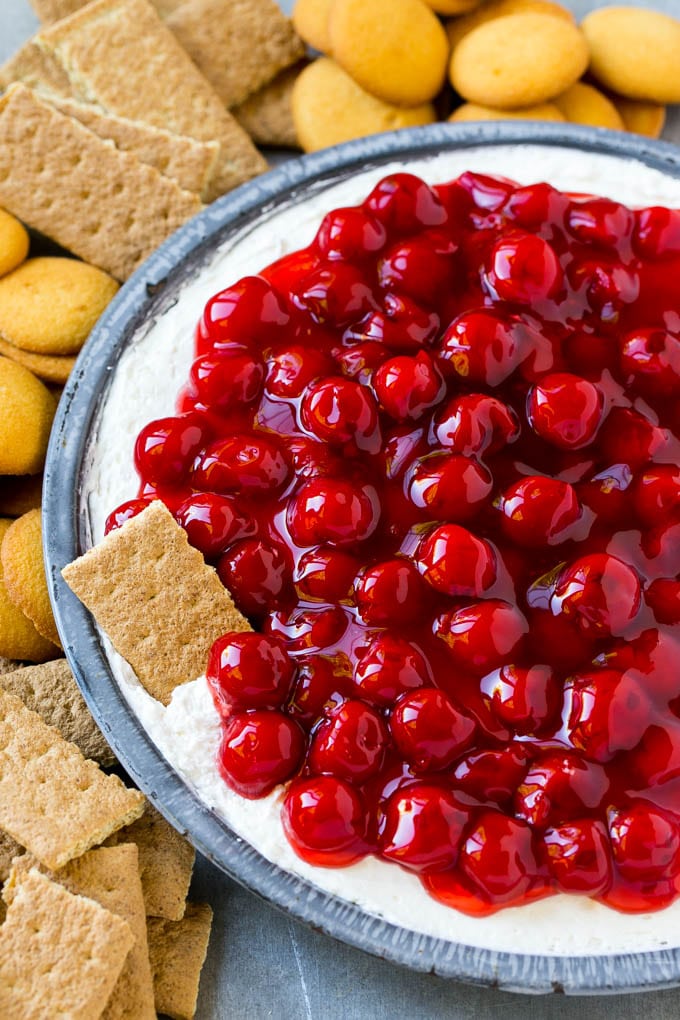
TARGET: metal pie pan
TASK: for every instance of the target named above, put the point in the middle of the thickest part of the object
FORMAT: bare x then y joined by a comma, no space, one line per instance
65,537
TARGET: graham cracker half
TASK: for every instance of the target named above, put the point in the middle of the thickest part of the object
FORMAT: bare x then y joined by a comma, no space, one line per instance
177,950
51,690
267,115
100,203
186,160
60,954
166,861
239,46
153,594
37,69
53,801
120,56
110,877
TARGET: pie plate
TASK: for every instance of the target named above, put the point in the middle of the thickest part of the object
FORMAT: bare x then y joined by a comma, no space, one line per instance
67,533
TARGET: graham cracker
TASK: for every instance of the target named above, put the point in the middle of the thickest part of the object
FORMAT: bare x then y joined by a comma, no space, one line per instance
155,597
110,877
52,692
54,10
37,69
166,861
177,950
9,849
120,56
267,115
239,46
100,203
52,800
60,954
7,665
186,160
55,368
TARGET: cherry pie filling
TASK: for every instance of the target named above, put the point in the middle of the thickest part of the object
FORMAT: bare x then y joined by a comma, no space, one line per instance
434,458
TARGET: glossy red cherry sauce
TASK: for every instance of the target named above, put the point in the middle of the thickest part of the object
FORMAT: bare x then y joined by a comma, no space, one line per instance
434,457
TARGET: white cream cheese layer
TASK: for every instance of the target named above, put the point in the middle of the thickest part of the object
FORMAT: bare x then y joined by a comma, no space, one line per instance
145,385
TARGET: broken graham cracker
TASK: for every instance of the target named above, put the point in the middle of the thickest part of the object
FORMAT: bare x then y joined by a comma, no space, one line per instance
154,596
177,950
37,69
110,877
166,861
239,46
53,801
60,954
120,56
51,690
267,115
100,203
186,160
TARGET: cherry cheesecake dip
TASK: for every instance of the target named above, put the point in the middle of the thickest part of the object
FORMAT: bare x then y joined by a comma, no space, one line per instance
425,424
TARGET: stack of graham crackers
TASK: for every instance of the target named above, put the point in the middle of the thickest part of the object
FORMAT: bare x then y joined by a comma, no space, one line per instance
95,920
120,118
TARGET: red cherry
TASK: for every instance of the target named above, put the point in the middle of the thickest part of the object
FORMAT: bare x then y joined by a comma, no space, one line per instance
579,856
600,221
125,512
351,234
405,204
402,325
390,592
226,381
651,358
490,775
165,449
663,598
526,699
565,411
429,730
324,820
334,511
482,346
256,574
360,362
250,310
656,494
290,370
448,486
499,857
408,386
645,841
259,750
339,410
487,192
423,827
657,232
326,575
606,712
422,267
389,667
312,459
335,294
318,629
242,463
606,284
319,686
628,438
606,492
248,670
482,636
401,445
212,522
600,592
539,511
523,269
349,743
456,562
559,787
476,423
535,205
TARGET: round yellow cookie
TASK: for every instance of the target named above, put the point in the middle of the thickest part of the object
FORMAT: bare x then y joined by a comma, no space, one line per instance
310,18
518,60
454,6
396,51
27,411
18,637
14,242
24,573
329,107
49,305
641,118
457,28
473,111
584,104
50,368
635,52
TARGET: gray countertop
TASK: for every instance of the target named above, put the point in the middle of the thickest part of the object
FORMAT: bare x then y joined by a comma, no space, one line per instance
262,964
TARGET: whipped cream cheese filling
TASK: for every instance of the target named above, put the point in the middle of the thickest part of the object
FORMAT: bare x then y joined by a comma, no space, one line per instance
145,385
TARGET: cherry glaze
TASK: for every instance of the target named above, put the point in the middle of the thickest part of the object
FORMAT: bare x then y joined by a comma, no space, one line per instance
434,456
